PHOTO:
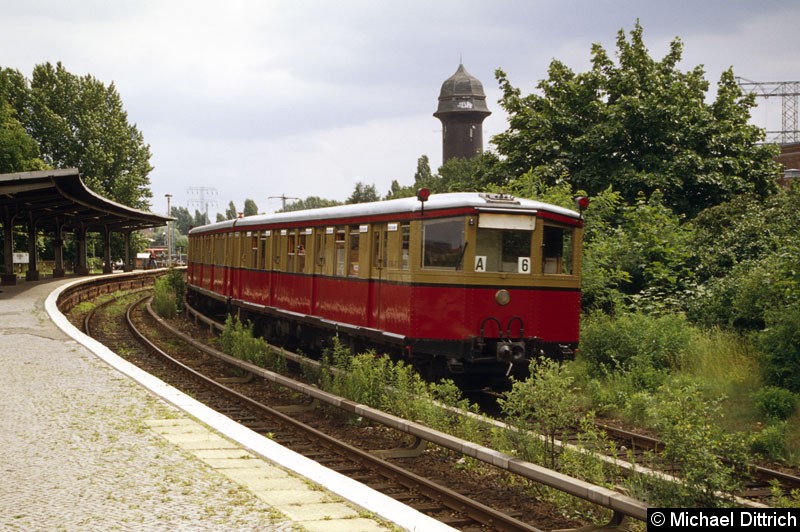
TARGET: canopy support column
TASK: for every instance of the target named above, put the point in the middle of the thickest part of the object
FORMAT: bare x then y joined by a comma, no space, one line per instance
32,274
81,264
8,277
107,266
58,250
128,266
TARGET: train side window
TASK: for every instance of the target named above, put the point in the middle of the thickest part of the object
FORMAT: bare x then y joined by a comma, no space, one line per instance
380,246
292,246
557,250
503,250
340,252
275,251
253,250
300,250
263,253
219,249
353,259
443,243
405,245
320,247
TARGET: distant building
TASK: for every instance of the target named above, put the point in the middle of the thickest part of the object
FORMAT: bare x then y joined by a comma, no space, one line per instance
790,159
462,109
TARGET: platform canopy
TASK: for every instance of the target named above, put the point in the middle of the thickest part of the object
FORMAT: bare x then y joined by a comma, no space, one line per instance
54,201
60,198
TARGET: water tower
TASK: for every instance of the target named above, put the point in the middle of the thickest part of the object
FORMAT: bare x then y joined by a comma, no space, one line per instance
462,109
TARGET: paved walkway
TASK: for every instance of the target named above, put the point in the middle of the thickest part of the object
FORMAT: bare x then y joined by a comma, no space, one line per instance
84,447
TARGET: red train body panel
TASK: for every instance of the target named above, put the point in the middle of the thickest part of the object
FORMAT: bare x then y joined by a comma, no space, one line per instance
477,282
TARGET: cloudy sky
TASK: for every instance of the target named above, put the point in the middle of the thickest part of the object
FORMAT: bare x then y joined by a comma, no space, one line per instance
261,98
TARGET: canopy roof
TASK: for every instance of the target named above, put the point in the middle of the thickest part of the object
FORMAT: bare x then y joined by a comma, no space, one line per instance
56,197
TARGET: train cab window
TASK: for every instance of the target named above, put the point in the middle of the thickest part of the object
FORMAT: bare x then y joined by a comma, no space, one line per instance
503,250
557,250
443,243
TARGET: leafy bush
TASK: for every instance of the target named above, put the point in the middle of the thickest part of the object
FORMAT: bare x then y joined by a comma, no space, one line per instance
164,299
634,340
169,292
775,403
238,341
687,423
770,442
546,402
177,281
379,382
780,342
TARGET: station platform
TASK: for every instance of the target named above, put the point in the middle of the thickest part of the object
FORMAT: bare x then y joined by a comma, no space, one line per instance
90,442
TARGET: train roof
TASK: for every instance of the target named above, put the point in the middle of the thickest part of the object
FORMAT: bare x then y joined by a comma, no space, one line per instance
436,202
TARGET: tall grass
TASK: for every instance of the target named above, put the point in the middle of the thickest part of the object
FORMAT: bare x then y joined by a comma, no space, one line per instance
168,294
629,364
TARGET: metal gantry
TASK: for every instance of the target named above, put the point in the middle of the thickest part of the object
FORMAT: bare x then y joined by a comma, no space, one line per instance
788,91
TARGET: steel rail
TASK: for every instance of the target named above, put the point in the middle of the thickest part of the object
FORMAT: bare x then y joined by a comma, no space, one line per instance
599,495
449,498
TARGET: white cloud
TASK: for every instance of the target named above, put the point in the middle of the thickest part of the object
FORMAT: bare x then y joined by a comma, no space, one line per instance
307,97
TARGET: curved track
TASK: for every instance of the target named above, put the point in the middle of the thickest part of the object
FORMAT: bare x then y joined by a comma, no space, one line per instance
435,500
759,488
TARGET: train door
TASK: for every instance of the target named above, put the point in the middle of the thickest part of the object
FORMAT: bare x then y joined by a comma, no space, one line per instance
232,256
264,263
317,258
275,268
377,263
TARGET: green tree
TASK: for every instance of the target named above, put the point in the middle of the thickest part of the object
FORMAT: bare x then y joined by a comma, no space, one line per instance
397,191
183,219
18,151
79,122
231,213
746,254
311,202
200,218
423,177
14,91
250,207
638,125
363,194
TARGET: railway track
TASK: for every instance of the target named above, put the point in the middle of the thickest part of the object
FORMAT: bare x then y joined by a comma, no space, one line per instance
759,488
244,401
643,448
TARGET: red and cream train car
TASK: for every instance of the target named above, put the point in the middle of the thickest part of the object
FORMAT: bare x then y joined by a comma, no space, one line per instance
464,284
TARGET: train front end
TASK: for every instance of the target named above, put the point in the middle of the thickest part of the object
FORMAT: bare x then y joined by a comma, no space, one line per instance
499,287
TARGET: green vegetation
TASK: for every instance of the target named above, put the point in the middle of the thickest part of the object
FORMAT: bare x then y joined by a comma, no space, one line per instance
168,294
237,340
691,270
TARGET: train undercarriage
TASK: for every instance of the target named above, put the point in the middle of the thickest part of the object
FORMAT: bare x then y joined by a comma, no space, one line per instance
477,363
